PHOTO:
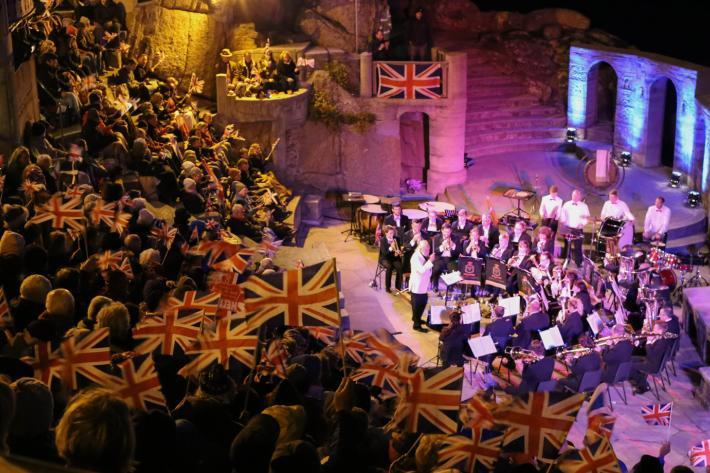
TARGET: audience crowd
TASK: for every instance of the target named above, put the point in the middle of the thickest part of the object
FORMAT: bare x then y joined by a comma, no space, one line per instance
143,142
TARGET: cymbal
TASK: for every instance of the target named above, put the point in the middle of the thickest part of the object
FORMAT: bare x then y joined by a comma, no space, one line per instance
629,253
642,247
658,244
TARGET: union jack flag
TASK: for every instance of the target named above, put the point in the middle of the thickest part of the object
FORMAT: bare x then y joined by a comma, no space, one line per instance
325,335
61,214
430,401
657,414
231,301
471,453
192,301
167,332
138,384
83,356
410,80
238,262
46,363
700,454
538,423
268,247
121,222
478,411
216,249
296,298
126,268
597,457
233,340
30,187
600,420
273,360
110,260
104,212
378,372
72,192
4,307
165,234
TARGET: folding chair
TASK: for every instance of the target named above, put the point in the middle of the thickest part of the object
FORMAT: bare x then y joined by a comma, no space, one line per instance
657,373
376,282
589,382
623,372
547,386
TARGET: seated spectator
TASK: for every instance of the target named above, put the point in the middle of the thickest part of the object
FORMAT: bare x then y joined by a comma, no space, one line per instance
286,73
30,433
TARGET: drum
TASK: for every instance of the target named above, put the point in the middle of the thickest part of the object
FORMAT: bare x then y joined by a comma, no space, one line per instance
668,278
655,256
671,261
371,199
626,268
440,207
414,214
627,234
610,228
368,217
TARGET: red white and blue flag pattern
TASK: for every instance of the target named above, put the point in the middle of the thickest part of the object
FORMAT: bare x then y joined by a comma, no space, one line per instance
700,454
410,80
657,414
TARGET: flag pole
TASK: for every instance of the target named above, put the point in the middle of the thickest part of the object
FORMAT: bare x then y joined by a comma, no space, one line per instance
670,419
340,318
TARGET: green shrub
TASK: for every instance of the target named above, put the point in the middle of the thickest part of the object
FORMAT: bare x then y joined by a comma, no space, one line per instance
323,108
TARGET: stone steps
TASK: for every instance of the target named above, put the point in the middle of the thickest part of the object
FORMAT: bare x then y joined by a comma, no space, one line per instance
515,134
490,103
475,114
506,123
496,90
509,146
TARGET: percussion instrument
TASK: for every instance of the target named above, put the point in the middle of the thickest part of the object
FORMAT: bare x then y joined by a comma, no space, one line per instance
439,207
572,236
668,278
414,214
371,199
368,217
611,228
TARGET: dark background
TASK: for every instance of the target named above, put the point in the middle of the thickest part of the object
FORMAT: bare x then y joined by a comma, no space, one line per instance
676,28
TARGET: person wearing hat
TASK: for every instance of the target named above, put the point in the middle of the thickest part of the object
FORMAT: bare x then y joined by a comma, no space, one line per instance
226,56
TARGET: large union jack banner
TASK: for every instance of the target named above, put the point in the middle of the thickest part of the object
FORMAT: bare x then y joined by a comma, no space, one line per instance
410,80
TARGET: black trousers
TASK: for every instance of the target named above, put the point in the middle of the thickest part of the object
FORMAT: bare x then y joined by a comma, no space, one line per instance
552,223
441,265
392,265
576,245
418,305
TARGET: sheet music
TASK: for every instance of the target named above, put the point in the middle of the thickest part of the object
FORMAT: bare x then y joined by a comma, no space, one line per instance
482,346
551,338
620,317
471,313
435,314
452,278
595,322
511,305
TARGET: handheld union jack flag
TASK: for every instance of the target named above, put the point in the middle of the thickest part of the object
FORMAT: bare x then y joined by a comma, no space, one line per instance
478,411
700,454
476,452
325,335
657,414
121,222
4,307
72,192
430,401
380,373
67,214
216,249
83,357
538,423
597,457
110,260
238,262
104,212
233,340
273,361
297,297
411,80
169,332
46,363
193,301
600,420
165,235
126,268
138,384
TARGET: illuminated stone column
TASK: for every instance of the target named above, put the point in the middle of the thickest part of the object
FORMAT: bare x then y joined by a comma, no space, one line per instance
577,91
366,74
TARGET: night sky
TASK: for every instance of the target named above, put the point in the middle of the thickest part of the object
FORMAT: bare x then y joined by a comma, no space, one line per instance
677,28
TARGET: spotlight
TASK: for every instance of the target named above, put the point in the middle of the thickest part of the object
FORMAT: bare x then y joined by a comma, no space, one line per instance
674,180
694,199
625,159
571,135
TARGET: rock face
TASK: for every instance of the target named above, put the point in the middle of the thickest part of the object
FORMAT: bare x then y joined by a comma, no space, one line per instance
332,23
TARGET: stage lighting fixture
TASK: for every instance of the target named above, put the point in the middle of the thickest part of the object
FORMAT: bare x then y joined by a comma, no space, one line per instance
674,180
694,199
571,135
625,159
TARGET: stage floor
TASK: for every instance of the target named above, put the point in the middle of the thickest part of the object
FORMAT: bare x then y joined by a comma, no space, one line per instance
491,176
369,309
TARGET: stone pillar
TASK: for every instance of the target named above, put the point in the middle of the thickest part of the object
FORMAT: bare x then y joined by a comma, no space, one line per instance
366,74
447,131
577,91
221,92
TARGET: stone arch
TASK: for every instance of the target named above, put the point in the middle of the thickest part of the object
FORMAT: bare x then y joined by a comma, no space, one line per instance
700,154
602,84
662,122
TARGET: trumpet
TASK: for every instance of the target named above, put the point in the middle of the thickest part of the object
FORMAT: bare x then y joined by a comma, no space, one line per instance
394,248
573,353
473,247
518,353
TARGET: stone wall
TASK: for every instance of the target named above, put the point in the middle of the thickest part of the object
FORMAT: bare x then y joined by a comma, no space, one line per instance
332,23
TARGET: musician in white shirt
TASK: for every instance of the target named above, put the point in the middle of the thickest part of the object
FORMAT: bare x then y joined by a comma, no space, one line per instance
550,206
574,215
617,209
421,265
658,217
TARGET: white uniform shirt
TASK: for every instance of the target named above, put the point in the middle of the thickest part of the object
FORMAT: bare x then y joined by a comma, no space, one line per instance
432,226
574,214
550,207
447,253
657,220
397,220
420,274
619,211
461,224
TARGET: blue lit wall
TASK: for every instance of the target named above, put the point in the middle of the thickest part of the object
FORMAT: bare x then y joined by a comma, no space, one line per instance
636,74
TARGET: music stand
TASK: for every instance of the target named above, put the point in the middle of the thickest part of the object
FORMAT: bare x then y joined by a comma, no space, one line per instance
496,273
354,199
552,338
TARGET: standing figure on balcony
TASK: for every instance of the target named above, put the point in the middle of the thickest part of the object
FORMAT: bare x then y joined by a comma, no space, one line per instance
419,37
380,47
